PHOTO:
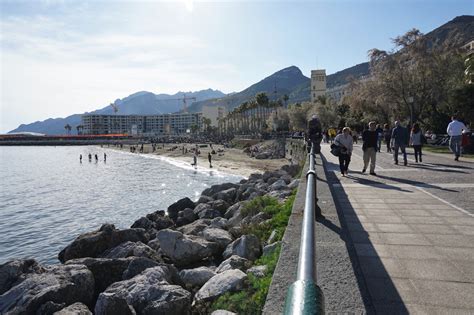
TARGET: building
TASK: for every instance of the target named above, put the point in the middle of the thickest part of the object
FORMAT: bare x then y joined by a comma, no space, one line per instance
214,113
149,125
318,84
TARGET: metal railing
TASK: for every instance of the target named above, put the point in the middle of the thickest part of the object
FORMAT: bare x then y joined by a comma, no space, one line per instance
304,296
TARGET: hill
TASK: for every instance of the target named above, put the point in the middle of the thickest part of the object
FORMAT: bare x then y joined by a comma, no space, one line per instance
140,103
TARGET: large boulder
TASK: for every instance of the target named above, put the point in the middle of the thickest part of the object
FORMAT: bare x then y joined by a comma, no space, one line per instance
178,206
196,277
138,264
58,284
160,219
146,293
74,309
258,271
294,184
127,249
214,189
227,281
209,214
186,216
219,205
195,228
232,210
234,262
219,223
278,185
247,246
227,195
201,207
292,170
15,271
216,235
223,312
95,243
185,249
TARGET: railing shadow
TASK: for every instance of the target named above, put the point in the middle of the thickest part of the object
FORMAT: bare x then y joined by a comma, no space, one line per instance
379,293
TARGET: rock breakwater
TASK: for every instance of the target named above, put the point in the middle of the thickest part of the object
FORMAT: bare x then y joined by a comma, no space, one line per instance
169,262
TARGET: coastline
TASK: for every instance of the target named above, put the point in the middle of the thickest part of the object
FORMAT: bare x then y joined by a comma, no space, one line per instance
230,161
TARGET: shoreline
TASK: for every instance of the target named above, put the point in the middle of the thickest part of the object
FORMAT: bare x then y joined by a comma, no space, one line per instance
230,161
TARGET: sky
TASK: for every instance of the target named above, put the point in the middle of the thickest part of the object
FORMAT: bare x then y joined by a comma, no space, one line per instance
63,57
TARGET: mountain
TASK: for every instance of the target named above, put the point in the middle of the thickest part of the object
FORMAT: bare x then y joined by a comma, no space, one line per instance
140,103
289,81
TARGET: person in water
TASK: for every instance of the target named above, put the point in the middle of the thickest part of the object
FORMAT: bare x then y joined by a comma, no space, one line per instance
90,157
80,158
209,157
105,157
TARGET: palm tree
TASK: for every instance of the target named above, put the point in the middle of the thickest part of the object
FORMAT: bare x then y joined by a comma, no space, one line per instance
79,129
68,129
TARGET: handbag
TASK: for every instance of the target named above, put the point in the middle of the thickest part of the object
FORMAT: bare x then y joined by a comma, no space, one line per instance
335,150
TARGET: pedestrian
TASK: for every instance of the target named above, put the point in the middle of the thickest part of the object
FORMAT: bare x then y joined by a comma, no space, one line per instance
387,134
354,136
400,141
379,136
416,140
345,142
80,158
369,146
96,158
90,157
454,130
194,160
105,157
209,157
466,134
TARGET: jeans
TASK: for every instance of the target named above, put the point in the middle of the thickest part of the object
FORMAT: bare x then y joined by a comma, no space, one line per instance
455,145
344,160
395,152
370,154
417,149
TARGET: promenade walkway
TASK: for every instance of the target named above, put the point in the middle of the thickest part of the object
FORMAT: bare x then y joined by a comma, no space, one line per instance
412,229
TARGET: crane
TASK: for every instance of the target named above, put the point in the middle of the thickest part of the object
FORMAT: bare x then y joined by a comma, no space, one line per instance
184,98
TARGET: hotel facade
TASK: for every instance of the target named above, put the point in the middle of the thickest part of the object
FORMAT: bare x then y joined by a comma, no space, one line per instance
147,125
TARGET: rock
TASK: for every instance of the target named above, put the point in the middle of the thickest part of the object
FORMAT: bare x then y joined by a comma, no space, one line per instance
262,186
137,265
272,180
195,228
247,246
209,214
219,236
219,205
183,249
234,262
214,189
219,223
235,220
227,281
258,271
232,210
143,223
196,277
269,249
287,178
262,156
147,293
186,216
222,312
74,309
292,170
161,221
260,217
50,308
236,231
59,284
128,249
93,244
227,195
106,271
155,244
255,176
294,184
272,237
15,271
281,195
278,185
267,175
179,206
204,199
201,207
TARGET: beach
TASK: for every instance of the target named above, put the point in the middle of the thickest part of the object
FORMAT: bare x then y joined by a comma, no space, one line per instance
227,160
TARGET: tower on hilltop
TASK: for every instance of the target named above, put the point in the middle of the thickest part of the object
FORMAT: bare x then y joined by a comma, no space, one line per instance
318,84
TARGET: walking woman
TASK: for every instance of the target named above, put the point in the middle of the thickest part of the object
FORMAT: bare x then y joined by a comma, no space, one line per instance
387,134
344,140
416,140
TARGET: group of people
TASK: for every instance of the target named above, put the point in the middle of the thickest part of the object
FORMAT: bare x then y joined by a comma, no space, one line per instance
397,139
95,156
209,158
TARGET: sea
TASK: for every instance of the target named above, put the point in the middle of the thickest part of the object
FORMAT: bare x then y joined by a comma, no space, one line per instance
48,197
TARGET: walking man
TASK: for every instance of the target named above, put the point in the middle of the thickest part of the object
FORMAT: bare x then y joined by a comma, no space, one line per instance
400,141
369,137
209,157
454,130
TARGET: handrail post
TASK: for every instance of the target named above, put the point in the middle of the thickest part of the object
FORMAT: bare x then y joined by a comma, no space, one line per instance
304,296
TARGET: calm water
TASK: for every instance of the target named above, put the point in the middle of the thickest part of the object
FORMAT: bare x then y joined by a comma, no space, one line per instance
47,198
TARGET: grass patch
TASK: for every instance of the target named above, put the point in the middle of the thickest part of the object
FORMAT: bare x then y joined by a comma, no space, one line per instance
444,150
252,299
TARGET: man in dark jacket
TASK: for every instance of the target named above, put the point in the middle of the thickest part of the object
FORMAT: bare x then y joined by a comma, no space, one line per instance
400,141
370,147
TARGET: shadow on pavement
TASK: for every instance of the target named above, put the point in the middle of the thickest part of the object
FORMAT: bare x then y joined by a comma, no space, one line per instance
415,183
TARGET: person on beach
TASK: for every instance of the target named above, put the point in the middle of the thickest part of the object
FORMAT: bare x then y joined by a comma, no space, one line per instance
80,158
90,157
416,140
345,141
105,157
209,157
400,141
369,146
194,160
96,158
454,130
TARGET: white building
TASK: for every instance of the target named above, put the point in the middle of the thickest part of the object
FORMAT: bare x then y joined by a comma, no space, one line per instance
318,84
166,124
214,113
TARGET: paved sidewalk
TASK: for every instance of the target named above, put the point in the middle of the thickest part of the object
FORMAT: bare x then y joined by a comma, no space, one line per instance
416,250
